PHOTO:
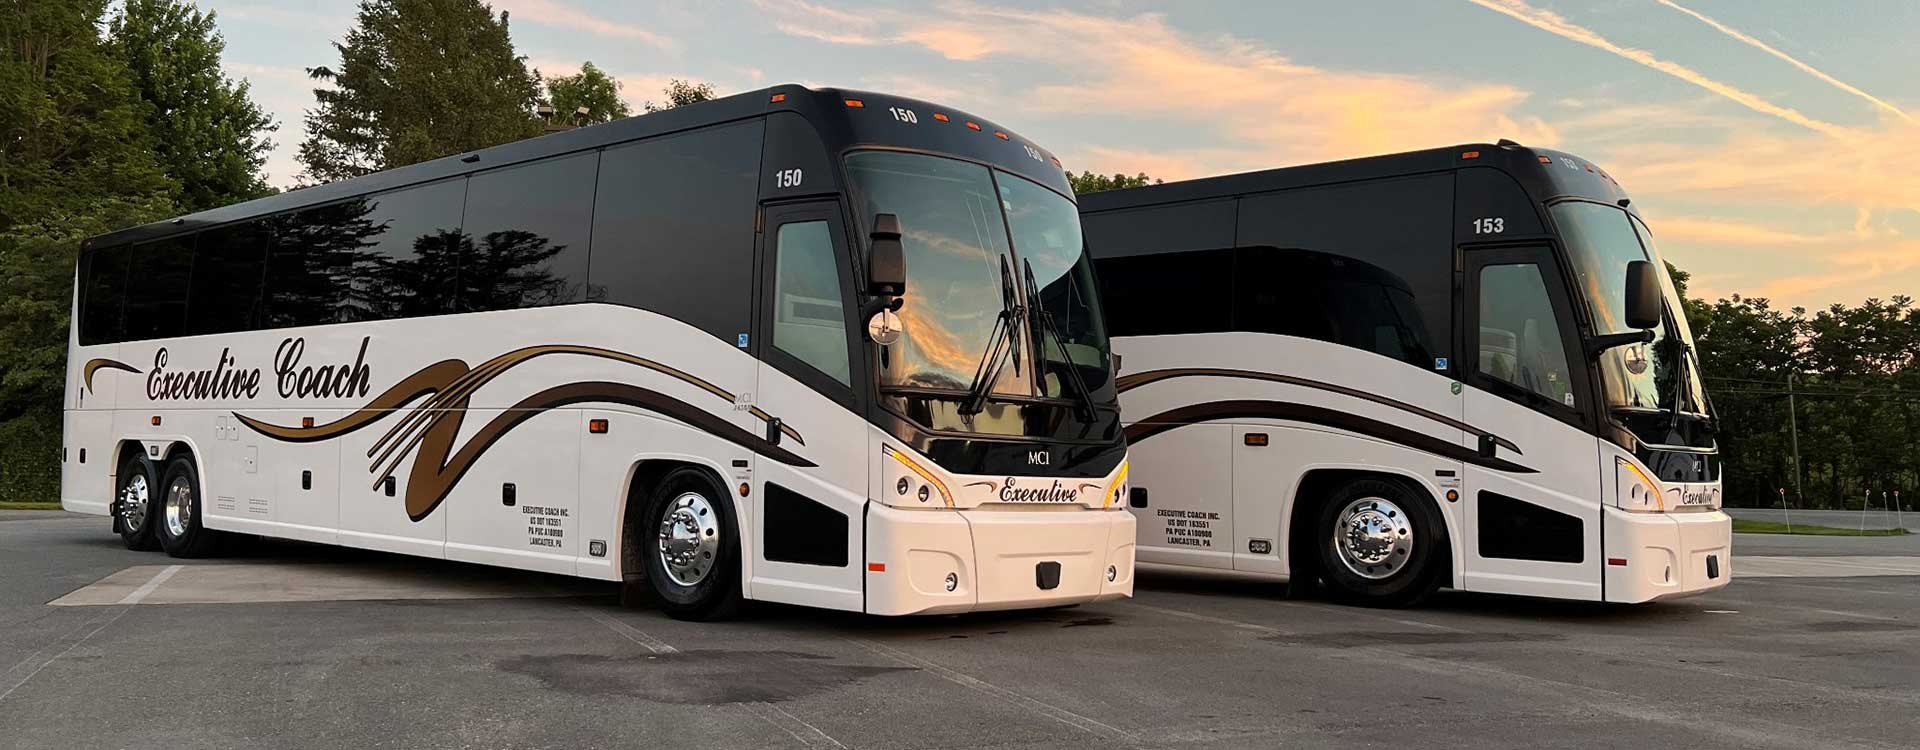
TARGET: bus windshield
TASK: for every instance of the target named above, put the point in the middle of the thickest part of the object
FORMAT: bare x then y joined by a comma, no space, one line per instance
1601,240
954,221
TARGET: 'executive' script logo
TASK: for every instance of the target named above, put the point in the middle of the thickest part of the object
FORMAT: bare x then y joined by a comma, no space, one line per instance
291,378
1055,493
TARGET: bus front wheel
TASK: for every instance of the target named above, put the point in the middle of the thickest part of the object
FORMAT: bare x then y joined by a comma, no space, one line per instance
1380,544
691,550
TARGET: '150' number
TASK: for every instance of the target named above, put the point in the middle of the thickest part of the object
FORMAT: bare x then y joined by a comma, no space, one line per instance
1494,225
787,178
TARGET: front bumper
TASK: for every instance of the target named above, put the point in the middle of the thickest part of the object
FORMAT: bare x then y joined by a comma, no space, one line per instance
1667,555
996,557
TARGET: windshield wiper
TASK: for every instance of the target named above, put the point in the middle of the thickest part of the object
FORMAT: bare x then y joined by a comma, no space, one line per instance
1680,389
1047,328
1002,341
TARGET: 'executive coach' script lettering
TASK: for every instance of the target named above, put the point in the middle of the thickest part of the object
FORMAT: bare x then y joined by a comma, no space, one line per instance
293,380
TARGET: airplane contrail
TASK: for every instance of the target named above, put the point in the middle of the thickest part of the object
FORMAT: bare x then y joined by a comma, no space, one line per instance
1553,23
1791,60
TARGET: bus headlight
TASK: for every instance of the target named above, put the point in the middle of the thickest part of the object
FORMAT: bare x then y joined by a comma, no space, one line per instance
1634,490
910,484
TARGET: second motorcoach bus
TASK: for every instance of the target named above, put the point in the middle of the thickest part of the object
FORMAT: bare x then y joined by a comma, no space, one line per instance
821,347
1463,367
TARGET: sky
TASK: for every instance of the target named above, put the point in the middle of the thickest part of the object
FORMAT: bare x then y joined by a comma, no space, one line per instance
1773,145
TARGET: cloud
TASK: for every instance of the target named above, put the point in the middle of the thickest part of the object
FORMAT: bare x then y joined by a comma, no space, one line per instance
1555,24
1245,106
561,15
1743,38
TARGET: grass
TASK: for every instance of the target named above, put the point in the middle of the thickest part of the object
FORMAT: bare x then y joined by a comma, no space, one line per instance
1744,526
29,506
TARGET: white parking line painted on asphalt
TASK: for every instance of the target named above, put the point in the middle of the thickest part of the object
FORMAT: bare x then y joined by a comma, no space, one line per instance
631,633
135,596
801,731
1845,566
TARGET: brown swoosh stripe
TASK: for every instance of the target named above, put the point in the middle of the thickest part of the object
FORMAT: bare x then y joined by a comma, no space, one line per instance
1128,382
1218,410
96,365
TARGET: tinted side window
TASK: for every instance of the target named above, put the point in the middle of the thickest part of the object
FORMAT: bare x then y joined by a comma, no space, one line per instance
312,261
1400,226
1328,298
525,235
1167,293
808,319
102,295
1519,334
673,226
411,264
228,263
157,306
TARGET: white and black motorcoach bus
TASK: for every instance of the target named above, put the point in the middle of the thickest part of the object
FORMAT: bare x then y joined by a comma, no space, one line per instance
1461,367
822,347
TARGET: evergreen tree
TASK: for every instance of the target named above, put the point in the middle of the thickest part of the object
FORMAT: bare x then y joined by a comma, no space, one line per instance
591,88
418,80
207,132
1088,182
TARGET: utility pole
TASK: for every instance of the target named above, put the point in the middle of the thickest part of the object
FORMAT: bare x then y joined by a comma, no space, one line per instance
1793,425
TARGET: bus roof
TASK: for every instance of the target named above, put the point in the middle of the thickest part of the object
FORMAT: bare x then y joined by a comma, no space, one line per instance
825,107
1546,175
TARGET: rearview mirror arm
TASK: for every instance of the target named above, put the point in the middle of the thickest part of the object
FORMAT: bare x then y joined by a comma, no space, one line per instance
1599,344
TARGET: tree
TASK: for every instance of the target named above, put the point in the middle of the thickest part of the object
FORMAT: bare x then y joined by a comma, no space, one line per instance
591,88
75,160
418,80
681,93
207,132
1088,182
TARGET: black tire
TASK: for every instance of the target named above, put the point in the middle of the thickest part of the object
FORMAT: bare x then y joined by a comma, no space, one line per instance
136,486
1397,527
178,512
715,594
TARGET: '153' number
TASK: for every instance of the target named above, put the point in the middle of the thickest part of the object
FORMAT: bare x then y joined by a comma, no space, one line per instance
1493,225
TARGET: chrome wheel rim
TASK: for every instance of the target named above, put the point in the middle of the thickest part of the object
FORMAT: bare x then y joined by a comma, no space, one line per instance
134,496
179,506
689,539
1373,538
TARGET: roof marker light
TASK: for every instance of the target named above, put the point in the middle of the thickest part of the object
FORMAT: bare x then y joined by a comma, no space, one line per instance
1470,155
942,116
1546,160
1056,160
855,104
778,98
973,125
1001,134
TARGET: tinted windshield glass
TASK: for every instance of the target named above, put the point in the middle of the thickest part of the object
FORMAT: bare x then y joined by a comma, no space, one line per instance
955,242
1601,240
1046,236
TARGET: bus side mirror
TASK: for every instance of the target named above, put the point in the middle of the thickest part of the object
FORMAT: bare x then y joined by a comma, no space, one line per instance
886,259
1643,296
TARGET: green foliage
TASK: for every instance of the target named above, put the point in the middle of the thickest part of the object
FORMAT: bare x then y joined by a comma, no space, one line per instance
1088,182
681,93
418,80
207,132
30,458
591,88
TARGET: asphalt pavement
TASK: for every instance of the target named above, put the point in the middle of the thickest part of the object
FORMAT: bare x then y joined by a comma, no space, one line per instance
291,645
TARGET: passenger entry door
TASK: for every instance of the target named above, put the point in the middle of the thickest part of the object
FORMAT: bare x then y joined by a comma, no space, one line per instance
1533,495
809,497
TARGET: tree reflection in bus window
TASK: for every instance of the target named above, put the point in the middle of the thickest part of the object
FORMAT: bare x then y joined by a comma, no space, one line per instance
1519,337
809,321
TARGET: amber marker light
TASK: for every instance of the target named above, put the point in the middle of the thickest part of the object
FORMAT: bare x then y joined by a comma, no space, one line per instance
778,98
856,104
973,125
876,567
942,117
155,421
597,426
1001,134
1546,160
744,489
1469,154
304,422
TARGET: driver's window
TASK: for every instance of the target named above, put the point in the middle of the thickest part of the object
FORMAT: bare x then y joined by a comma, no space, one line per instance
1519,337
809,321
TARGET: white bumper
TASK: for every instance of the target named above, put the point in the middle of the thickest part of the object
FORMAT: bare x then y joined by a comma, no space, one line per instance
1666,555
998,557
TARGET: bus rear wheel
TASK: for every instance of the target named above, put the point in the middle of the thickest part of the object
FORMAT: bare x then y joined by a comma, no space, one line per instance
134,504
179,528
691,548
1380,544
